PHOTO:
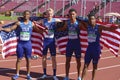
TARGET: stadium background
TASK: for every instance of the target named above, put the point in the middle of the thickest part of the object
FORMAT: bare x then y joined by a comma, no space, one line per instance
61,7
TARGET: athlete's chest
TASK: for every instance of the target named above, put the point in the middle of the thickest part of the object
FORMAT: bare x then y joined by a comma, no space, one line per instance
25,27
73,26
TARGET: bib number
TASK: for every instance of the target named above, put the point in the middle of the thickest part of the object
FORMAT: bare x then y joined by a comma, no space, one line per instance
50,32
73,35
92,37
24,36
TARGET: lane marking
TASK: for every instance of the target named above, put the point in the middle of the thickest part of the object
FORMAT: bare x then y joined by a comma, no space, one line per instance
40,57
99,69
58,64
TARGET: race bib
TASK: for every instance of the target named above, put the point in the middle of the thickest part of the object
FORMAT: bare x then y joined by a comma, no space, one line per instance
91,37
72,32
50,32
73,35
24,36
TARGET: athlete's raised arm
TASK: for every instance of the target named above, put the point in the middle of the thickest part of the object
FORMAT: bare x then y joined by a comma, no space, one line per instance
38,28
10,28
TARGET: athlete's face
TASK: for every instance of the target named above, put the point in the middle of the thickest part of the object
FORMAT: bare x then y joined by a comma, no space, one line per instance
26,15
45,15
73,15
92,20
99,19
49,14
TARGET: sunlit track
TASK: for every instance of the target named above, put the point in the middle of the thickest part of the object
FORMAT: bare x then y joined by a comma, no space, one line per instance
73,62
36,67
102,68
4,60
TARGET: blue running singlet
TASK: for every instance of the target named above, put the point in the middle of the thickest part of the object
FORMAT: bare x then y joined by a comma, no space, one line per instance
73,44
49,40
93,49
24,46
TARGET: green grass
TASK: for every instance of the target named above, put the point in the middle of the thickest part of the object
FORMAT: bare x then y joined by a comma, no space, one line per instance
8,18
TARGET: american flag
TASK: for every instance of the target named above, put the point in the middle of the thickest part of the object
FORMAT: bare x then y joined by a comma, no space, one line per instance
9,41
110,39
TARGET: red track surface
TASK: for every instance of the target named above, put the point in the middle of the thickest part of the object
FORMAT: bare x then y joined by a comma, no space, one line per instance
108,69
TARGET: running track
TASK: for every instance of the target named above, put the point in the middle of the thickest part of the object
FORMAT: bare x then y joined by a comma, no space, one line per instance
108,69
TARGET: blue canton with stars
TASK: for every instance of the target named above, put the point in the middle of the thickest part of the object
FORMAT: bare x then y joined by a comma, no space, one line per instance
6,35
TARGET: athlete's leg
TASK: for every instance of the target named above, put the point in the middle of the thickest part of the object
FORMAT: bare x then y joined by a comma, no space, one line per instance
87,60
77,50
18,65
78,60
44,64
28,66
67,66
69,52
44,58
94,71
96,57
28,53
52,48
19,58
85,68
53,55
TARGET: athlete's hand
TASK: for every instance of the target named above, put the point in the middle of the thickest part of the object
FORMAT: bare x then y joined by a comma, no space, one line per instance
46,29
1,22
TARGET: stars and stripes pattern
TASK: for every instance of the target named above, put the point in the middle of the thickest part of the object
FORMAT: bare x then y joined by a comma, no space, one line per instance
10,40
110,39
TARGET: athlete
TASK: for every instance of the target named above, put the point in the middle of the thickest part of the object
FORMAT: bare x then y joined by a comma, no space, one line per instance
73,45
24,46
49,42
93,49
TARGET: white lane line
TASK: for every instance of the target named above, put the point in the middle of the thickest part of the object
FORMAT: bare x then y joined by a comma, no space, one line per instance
99,69
58,64
8,60
40,57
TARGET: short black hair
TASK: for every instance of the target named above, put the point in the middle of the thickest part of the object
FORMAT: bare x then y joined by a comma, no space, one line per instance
72,10
44,13
99,17
90,15
26,11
